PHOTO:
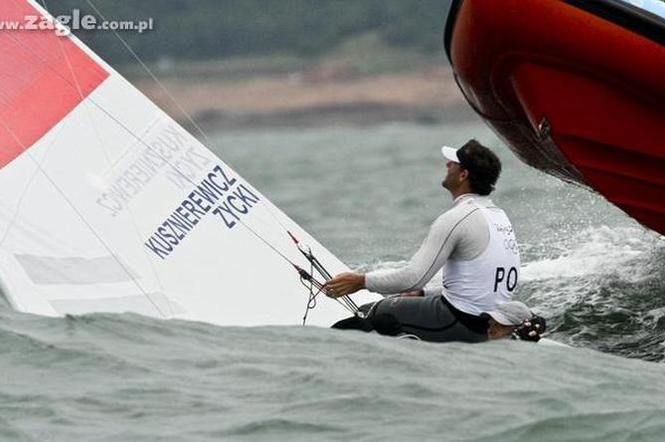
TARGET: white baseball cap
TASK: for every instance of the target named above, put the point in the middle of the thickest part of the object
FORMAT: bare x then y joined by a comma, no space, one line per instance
510,313
449,153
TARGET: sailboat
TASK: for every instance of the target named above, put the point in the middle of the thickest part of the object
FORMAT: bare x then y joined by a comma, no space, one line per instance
108,205
576,88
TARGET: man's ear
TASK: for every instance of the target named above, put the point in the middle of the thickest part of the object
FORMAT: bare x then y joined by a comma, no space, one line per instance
464,175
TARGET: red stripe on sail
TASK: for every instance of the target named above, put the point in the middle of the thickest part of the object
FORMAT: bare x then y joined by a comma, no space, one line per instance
43,77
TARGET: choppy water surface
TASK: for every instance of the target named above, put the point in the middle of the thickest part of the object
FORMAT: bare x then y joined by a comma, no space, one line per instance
370,195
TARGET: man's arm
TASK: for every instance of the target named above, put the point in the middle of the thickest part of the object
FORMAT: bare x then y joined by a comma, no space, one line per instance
430,257
425,263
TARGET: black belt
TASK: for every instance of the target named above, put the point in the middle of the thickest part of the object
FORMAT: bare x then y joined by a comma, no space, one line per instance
474,323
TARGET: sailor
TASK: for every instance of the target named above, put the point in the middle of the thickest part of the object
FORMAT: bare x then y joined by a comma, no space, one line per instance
512,319
473,244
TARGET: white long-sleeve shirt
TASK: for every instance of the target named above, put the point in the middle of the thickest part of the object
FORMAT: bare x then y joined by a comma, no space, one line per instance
461,233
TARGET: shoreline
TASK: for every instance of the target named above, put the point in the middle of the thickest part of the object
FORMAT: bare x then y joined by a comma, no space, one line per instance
354,115
319,95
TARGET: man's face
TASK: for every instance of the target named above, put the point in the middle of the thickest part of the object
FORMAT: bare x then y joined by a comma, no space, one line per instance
453,179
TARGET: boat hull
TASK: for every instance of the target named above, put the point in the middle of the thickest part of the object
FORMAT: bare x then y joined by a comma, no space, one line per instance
576,89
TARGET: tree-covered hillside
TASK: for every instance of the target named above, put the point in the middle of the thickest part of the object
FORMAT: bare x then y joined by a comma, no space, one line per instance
203,29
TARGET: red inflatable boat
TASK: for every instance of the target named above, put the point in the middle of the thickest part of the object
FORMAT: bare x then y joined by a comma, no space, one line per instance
575,87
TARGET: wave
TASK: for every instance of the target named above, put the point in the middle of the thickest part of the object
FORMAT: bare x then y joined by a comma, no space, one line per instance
301,383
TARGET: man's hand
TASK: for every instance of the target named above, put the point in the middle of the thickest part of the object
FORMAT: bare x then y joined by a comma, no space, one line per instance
530,330
344,284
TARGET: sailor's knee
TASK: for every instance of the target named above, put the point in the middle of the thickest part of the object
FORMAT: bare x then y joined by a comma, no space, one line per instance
385,324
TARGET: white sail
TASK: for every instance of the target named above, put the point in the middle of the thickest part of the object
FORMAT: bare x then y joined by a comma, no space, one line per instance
108,205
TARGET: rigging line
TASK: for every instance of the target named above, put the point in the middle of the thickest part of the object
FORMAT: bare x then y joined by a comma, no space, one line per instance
152,75
24,192
171,97
77,83
304,276
103,147
77,212
311,301
316,264
141,141
130,147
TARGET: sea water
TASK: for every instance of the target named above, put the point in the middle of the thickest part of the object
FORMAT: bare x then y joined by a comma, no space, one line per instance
369,195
